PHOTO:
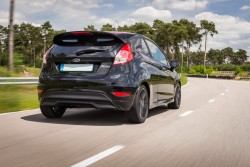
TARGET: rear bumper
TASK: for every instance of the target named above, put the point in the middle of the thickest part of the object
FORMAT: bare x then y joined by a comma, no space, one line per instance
86,98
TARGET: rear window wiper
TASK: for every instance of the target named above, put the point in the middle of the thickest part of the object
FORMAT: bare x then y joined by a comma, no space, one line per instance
86,51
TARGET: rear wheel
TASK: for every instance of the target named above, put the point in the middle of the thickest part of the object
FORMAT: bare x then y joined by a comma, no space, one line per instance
139,111
177,98
52,112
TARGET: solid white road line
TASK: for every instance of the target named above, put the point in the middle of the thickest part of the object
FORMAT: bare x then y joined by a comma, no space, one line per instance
99,156
222,94
212,100
185,113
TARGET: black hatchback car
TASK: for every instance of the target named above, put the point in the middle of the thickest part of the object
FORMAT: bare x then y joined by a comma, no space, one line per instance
107,70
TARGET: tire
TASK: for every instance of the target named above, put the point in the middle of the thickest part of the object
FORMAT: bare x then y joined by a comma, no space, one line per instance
139,111
52,112
177,98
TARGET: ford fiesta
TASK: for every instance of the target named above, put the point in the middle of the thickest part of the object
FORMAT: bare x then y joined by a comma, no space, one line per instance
107,70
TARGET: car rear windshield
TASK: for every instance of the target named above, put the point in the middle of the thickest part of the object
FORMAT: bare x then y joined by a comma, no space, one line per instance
68,43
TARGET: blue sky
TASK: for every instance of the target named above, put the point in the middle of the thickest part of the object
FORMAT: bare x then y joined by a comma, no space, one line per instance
231,17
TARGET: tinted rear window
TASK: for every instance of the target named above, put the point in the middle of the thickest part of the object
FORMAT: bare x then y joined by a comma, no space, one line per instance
70,43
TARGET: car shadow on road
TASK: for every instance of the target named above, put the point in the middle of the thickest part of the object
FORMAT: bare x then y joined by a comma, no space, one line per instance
91,117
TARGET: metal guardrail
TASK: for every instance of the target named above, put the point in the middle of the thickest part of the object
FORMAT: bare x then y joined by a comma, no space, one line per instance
18,80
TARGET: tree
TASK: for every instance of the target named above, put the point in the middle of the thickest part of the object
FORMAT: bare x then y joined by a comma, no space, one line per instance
3,37
208,28
196,57
124,28
228,54
47,35
163,35
11,36
90,28
108,27
191,36
143,28
215,57
240,57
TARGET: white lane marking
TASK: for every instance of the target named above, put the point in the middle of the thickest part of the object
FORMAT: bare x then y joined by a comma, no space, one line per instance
222,94
16,112
185,113
226,90
99,156
212,100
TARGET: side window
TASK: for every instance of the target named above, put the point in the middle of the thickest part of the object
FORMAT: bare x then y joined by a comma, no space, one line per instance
157,53
139,45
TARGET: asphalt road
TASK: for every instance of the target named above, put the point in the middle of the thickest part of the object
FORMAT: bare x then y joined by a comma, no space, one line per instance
212,128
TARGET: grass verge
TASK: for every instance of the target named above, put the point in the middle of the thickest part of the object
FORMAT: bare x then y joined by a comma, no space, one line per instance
20,71
183,79
18,97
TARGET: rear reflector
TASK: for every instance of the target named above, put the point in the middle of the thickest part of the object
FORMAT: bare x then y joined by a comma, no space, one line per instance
124,55
121,94
39,91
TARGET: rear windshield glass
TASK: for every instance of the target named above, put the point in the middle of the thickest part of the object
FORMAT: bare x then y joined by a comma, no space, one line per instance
70,43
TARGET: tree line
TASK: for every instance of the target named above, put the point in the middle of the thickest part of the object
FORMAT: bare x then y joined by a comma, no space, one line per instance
175,38
30,43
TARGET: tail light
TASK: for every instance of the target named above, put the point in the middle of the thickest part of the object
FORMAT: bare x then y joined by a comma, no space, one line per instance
121,94
124,55
45,57
39,91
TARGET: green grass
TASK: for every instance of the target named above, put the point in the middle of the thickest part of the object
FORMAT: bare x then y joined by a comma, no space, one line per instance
19,71
183,79
18,97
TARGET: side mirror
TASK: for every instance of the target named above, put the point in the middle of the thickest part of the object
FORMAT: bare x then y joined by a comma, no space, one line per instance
174,63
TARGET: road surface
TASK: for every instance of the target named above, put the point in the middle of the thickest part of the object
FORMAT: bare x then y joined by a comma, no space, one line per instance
212,128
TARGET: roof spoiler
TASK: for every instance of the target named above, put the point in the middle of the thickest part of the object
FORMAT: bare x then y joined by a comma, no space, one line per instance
69,38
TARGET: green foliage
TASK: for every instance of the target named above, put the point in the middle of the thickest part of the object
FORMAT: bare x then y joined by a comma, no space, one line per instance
30,42
20,71
18,97
209,70
192,71
238,70
90,28
245,67
184,79
199,69
108,27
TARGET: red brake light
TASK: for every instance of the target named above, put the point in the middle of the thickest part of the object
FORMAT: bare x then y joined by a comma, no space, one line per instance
121,94
124,55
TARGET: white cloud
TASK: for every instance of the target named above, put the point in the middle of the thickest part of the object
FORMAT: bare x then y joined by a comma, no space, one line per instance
245,7
232,31
186,5
150,13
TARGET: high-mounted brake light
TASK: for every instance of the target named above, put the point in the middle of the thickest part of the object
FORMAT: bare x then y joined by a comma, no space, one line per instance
81,33
121,94
124,55
45,57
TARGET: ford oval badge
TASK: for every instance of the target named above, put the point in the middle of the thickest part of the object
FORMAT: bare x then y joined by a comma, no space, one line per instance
76,60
